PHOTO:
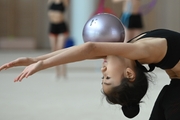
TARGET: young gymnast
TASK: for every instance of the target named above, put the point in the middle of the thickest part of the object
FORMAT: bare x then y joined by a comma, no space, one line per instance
125,79
131,17
58,29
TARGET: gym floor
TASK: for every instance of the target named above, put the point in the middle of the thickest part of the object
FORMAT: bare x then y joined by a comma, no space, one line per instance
78,97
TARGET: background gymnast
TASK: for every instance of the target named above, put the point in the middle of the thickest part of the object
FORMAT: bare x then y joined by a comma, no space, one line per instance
131,17
58,29
125,80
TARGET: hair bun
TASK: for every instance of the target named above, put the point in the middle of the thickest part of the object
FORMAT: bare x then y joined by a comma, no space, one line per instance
130,111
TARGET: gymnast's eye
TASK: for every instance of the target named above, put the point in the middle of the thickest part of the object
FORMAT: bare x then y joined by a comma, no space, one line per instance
106,77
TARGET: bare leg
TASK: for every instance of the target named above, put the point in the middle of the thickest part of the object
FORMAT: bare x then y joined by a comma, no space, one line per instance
53,43
137,32
128,34
131,33
61,70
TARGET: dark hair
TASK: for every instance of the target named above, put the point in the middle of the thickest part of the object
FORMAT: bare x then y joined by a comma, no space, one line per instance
129,94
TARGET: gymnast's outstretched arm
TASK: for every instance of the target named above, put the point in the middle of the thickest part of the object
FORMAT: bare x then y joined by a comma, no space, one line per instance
92,51
82,52
72,54
25,61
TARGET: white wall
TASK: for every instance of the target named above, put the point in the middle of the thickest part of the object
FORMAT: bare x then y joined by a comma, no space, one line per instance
81,10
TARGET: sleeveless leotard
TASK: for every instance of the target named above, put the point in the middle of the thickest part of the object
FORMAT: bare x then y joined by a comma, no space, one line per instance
172,56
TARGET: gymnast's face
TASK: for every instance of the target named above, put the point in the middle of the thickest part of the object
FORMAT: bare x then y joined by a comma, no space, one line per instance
114,69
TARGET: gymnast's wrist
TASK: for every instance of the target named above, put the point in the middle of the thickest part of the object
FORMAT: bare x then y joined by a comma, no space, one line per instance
34,60
42,65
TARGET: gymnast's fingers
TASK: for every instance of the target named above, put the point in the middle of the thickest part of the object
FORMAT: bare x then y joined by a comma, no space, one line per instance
8,65
20,77
23,76
5,66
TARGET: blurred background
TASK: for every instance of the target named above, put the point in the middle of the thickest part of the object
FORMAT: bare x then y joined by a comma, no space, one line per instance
24,26
26,21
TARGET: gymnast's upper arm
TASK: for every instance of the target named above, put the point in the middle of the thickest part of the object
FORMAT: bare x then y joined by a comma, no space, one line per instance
127,50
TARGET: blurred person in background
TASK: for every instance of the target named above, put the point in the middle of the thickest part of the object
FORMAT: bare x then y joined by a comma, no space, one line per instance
58,29
131,17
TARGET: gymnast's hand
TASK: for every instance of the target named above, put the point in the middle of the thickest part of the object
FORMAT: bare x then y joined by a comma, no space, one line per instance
23,61
29,70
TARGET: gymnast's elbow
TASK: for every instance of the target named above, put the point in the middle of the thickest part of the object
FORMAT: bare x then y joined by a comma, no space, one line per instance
90,50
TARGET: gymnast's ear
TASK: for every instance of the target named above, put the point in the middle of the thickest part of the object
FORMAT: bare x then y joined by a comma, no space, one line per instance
129,73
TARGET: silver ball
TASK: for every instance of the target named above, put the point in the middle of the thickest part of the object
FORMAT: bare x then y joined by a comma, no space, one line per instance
103,27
